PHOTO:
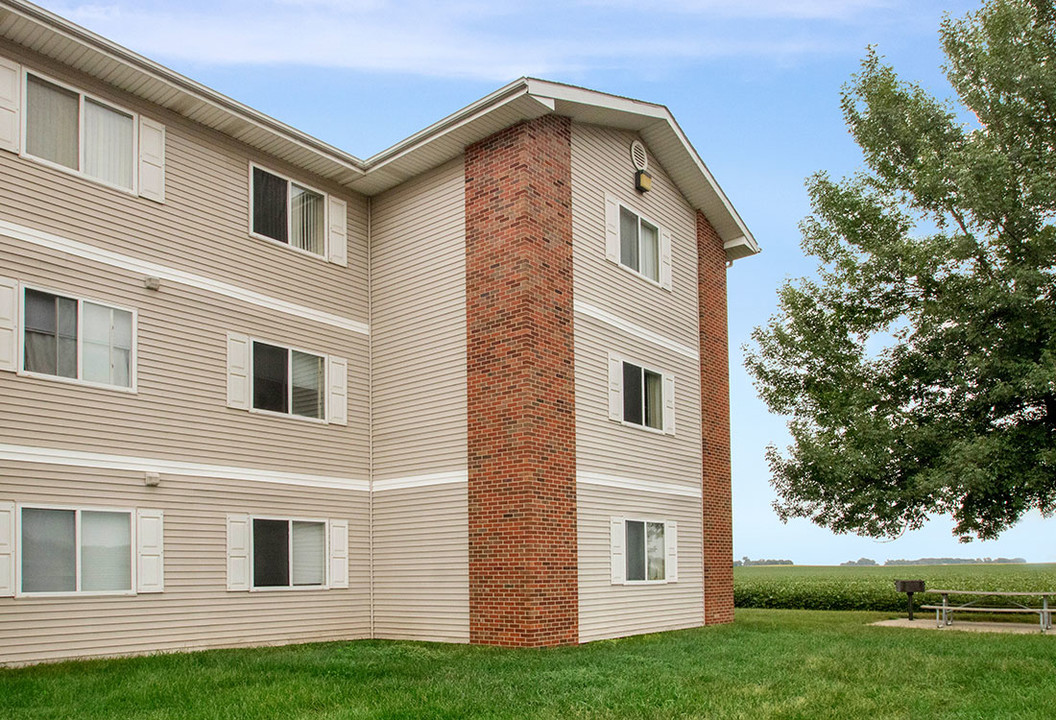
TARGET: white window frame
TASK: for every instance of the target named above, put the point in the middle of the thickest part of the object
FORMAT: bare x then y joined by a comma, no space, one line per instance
324,256
77,509
627,555
324,420
291,587
660,239
133,388
79,172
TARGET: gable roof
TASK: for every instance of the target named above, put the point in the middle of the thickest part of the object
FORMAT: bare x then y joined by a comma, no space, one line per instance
526,98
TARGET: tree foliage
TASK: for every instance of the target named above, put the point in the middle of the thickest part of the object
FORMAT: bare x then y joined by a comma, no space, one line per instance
919,365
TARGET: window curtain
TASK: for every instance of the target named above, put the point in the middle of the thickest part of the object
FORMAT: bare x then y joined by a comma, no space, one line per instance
655,550
51,122
308,385
108,148
309,553
650,252
107,345
307,217
654,400
106,551
48,551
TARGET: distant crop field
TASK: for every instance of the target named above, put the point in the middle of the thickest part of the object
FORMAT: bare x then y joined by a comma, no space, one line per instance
809,587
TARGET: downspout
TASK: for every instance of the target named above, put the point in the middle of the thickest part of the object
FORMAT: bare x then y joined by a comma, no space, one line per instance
370,406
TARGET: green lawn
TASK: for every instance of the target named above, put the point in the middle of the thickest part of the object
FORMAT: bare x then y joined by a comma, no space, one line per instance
808,587
769,664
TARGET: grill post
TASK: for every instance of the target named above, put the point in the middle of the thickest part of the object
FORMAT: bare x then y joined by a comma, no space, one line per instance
909,587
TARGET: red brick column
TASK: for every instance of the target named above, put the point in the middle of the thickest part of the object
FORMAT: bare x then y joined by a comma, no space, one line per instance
715,407
523,563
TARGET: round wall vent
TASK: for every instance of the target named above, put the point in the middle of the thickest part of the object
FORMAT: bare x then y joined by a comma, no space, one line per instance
639,156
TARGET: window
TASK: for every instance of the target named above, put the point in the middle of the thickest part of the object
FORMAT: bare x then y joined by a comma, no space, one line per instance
65,551
288,381
268,553
77,339
639,245
641,396
636,243
288,212
646,550
74,131
289,553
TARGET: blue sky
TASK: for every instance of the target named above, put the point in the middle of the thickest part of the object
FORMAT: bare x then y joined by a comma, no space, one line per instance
753,83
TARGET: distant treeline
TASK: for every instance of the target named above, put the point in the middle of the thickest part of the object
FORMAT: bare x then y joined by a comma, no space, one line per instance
956,561
747,562
936,561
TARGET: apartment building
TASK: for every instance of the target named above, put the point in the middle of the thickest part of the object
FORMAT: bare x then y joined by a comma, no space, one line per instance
255,390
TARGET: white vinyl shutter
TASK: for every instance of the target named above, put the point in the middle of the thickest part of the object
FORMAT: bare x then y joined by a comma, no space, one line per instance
8,325
150,551
238,552
7,549
615,388
669,405
10,105
617,553
671,547
337,391
238,385
338,241
612,228
665,258
339,553
151,160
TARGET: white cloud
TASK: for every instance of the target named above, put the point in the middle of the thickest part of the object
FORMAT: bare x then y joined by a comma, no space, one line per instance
488,40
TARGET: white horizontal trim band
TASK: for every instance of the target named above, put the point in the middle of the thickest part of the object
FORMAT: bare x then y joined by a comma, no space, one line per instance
108,257
77,458
639,485
417,481
636,330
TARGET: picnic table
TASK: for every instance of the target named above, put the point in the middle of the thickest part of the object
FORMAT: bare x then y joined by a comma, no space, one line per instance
944,612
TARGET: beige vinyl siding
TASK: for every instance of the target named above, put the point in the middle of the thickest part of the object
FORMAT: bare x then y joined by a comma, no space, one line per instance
180,410
421,563
203,226
195,610
607,610
419,326
601,163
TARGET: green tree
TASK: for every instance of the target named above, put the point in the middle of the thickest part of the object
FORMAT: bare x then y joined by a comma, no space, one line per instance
919,365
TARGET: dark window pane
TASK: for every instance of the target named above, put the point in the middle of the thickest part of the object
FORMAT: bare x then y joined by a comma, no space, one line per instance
654,400
67,342
49,553
269,205
271,553
632,393
635,541
269,377
40,353
628,238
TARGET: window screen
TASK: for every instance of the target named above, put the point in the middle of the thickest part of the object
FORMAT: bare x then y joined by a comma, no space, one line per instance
271,553
270,375
269,205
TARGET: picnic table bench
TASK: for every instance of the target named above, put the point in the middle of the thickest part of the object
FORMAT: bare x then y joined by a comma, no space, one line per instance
944,612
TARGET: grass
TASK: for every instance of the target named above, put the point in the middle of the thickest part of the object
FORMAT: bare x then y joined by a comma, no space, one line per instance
873,588
769,664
